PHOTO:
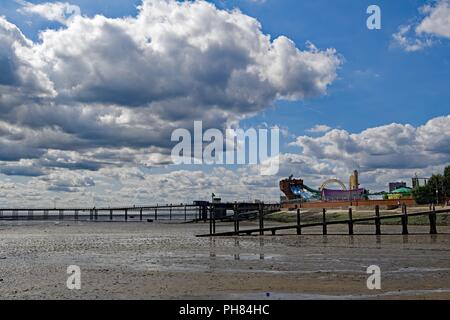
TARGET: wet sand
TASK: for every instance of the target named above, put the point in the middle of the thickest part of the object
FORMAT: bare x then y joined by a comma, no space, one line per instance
166,261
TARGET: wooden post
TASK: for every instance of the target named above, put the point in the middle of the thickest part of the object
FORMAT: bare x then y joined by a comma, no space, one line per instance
30,214
377,220
110,214
238,222
350,221
140,214
324,211
156,213
214,220
96,214
126,214
76,214
261,219
170,212
91,213
61,214
299,228
45,214
210,220
432,217
404,220
185,213
236,217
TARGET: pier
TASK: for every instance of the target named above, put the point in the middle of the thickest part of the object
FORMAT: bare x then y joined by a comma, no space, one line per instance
199,211
183,212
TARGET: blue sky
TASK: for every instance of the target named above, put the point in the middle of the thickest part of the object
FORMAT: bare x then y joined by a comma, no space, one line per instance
380,81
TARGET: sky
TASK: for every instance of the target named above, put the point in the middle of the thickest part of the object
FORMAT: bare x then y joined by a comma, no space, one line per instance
90,92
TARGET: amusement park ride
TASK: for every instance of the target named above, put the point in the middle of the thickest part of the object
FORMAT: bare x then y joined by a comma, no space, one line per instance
295,189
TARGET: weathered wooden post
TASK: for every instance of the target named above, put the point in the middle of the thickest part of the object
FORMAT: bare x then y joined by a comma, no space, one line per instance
96,214
211,220
404,220
140,214
76,214
377,220
185,213
324,211
432,217
350,221
91,213
299,228
170,212
214,220
235,219
126,214
261,219
110,214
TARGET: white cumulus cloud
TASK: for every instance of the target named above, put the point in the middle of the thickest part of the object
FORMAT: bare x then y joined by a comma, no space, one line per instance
434,24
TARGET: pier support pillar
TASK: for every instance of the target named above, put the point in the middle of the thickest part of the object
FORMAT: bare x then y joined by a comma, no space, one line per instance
324,228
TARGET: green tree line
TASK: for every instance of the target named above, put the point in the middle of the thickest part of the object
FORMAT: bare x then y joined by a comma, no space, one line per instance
437,189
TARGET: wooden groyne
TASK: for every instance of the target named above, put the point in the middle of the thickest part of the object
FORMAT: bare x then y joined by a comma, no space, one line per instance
350,222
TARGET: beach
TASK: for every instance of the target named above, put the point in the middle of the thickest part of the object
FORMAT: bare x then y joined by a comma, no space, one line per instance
135,260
